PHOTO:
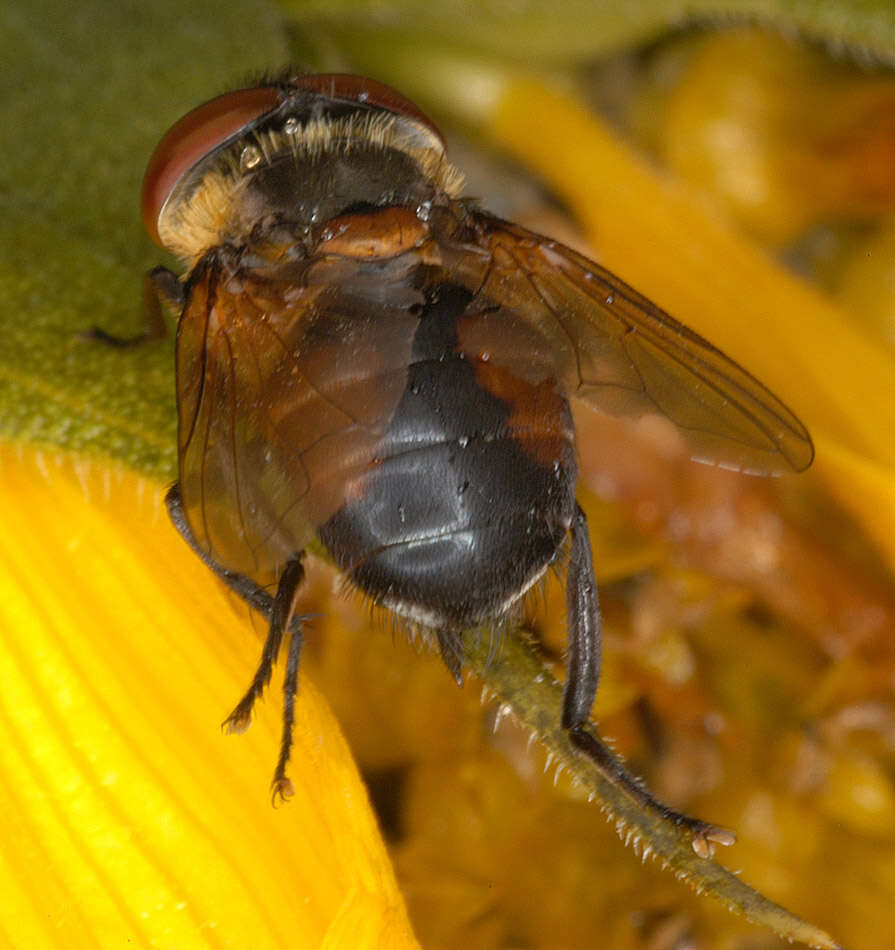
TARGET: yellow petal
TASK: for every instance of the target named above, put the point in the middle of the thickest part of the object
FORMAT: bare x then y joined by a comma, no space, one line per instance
130,819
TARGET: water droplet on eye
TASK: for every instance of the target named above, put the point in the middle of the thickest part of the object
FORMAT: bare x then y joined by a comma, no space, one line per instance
291,126
250,157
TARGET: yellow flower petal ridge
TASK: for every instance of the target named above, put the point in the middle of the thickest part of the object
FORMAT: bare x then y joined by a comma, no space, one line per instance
130,818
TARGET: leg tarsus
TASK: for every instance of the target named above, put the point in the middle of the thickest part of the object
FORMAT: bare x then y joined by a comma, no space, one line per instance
703,835
583,621
281,787
99,335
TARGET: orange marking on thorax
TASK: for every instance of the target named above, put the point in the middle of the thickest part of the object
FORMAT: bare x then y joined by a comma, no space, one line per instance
374,234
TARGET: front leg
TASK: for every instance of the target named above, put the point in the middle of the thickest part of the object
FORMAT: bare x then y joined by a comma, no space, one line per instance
161,289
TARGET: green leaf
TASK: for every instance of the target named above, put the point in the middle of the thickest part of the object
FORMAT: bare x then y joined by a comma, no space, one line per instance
86,91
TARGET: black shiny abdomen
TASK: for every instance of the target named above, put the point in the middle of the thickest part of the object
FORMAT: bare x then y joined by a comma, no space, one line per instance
455,518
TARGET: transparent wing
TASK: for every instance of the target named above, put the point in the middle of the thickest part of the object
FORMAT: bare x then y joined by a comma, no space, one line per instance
618,352
285,382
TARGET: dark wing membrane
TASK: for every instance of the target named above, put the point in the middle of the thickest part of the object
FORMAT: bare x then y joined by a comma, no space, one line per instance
284,388
620,353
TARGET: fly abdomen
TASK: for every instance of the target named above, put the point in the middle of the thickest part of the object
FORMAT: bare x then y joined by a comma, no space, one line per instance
462,508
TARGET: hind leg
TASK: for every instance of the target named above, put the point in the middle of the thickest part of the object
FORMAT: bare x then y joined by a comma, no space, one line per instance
583,618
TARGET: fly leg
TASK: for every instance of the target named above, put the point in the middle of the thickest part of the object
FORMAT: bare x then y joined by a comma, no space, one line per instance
256,597
281,787
161,289
451,648
583,618
280,612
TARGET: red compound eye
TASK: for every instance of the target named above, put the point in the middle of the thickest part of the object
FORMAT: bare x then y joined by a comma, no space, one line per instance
366,91
195,135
